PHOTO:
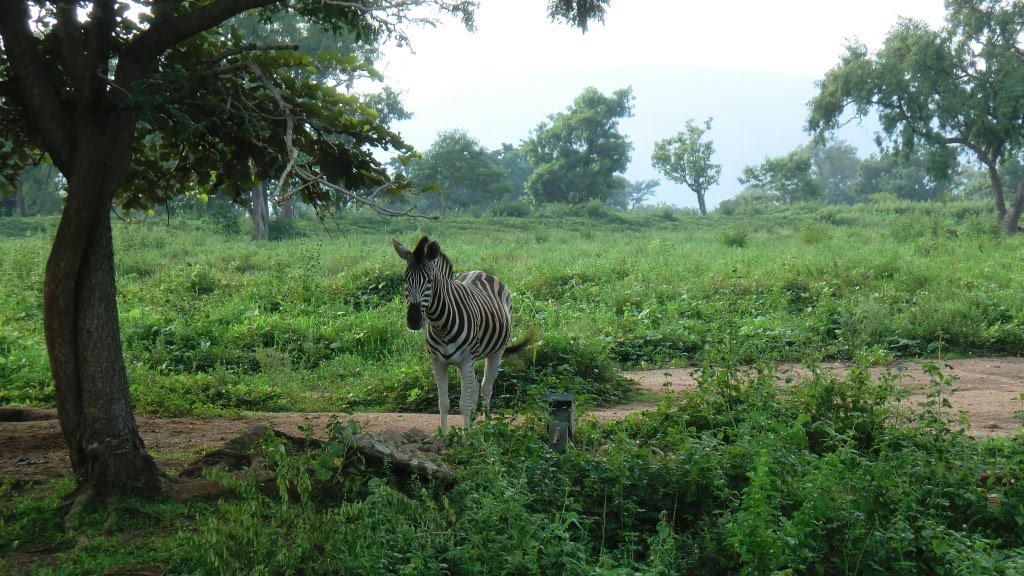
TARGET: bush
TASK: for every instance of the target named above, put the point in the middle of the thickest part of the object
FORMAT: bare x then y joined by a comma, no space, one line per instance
823,476
512,209
814,234
734,238
224,214
281,229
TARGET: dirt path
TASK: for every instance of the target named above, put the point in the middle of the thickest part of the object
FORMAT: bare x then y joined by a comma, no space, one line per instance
32,448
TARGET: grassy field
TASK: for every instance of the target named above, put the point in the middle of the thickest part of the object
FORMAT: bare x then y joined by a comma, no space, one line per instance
215,323
740,477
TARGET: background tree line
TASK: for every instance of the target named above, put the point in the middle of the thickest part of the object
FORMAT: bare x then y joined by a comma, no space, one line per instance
948,100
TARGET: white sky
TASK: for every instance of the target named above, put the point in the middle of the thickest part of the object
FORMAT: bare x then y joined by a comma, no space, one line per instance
749,64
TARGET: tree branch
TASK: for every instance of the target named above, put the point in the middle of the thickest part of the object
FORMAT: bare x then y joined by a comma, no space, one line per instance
170,31
311,178
71,48
95,60
34,84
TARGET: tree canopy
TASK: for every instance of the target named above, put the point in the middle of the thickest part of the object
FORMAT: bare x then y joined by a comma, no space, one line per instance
579,152
517,168
463,170
905,177
579,13
787,177
215,112
634,194
957,88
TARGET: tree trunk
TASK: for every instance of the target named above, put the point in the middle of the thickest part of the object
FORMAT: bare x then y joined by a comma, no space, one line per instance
259,211
701,203
997,191
288,209
1011,222
81,326
19,203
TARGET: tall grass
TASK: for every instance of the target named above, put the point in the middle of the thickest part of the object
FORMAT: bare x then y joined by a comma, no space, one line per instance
213,322
826,476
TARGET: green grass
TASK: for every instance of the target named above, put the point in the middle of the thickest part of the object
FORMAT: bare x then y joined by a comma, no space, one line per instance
215,323
741,477
826,476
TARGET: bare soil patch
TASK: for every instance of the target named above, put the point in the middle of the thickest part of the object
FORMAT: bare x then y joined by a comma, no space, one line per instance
32,447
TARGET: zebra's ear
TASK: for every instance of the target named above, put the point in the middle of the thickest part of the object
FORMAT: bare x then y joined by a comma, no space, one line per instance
433,251
403,252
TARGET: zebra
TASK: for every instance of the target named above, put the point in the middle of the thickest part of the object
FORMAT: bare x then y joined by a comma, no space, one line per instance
469,319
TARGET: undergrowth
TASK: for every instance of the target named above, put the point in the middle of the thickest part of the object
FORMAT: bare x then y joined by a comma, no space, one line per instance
831,475
214,323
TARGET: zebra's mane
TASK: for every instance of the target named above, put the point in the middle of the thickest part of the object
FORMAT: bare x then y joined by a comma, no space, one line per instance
442,264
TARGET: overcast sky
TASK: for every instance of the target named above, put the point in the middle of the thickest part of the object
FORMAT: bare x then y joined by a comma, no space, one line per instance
751,65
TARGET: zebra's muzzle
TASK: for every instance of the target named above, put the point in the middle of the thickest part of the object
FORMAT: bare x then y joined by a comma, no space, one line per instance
414,317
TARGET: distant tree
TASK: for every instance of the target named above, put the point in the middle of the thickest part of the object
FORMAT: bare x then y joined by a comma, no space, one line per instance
579,152
463,170
905,176
943,91
972,183
516,166
686,159
836,167
633,194
787,177
37,193
388,105
749,200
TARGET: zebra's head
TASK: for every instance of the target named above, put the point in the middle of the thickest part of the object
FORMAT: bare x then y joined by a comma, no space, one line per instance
419,278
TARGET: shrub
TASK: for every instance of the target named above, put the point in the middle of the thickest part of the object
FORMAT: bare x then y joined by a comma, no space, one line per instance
512,209
734,238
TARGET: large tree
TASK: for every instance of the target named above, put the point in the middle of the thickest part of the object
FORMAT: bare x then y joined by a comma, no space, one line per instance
578,153
957,88
135,107
686,158
462,169
138,102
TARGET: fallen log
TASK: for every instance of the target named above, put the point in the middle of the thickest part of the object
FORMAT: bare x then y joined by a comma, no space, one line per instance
242,457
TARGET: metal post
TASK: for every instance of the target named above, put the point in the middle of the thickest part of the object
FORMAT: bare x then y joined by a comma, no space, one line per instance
562,425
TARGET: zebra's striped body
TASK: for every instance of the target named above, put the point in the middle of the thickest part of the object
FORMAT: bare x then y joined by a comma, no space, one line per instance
468,319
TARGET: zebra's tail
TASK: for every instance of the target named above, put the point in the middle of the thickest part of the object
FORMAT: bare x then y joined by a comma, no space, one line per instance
531,335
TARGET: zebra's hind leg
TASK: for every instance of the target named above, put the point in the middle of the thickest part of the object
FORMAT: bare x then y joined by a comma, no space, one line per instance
491,365
440,368
470,393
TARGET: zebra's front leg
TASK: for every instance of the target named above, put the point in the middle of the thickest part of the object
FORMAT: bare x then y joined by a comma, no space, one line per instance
470,393
440,368
491,365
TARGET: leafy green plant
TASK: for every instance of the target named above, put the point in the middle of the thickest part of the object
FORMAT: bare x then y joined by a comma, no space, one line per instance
825,475
735,238
634,291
